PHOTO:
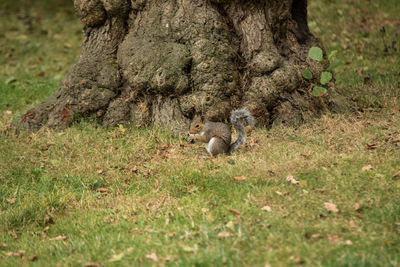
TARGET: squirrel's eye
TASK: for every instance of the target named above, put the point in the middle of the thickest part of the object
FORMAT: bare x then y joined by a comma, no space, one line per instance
197,126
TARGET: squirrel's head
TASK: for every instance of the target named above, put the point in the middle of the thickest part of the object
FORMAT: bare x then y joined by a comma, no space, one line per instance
197,125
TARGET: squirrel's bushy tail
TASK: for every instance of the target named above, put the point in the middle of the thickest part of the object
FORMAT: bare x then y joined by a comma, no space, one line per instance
239,119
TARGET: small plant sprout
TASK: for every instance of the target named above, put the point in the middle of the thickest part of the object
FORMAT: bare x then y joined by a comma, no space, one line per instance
315,53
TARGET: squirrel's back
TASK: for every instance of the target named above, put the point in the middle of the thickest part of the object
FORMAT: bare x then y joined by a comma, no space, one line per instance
218,129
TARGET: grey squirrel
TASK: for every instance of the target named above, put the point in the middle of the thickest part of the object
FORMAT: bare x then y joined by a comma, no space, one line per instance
217,135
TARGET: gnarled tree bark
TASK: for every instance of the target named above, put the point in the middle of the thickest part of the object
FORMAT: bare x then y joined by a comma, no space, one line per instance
161,62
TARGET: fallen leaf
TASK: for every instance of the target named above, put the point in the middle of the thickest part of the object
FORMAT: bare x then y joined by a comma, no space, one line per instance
348,242
204,210
13,235
117,257
102,190
372,146
171,234
129,250
352,224
266,208
153,257
3,245
316,236
133,169
331,207
291,179
334,238
91,264
366,168
297,260
10,80
100,171
357,207
11,200
59,238
8,112
239,178
235,212
279,193
225,234
19,253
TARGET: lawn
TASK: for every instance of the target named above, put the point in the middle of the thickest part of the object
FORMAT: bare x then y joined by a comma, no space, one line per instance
324,193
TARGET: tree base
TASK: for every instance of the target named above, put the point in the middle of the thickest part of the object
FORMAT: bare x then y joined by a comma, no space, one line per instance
163,63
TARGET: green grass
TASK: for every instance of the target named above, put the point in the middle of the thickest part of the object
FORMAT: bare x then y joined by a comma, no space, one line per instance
119,195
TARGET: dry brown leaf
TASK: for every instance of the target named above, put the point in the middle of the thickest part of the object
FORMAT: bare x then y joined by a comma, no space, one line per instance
171,234
366,168
204,210
397,223
102,190
19,253
153,257
334,238
59,238
297,260
352,224
372,146
225,234
291,179
266,208
130,249
99,171
348,242
133,169
316,236
279,193
239,178
357,207
11,200
331,207
13,235
3,245
235,212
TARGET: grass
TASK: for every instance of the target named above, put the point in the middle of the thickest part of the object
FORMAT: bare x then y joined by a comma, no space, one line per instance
139,196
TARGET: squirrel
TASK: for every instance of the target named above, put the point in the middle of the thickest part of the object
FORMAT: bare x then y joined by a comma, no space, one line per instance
217,135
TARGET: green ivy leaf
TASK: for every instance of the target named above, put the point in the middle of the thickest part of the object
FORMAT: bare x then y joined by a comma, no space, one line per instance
326,77
96,185
307,74
319,91
334,64
315,53
332,54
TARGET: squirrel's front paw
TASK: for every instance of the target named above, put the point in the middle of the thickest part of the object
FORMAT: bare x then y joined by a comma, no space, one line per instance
190,139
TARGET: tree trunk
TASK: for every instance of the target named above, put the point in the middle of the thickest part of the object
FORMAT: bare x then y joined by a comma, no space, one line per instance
161,62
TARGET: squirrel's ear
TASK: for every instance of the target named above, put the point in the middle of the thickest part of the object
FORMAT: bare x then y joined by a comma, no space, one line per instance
202,118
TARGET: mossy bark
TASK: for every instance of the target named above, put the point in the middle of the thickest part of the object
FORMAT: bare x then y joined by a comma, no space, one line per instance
161,62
